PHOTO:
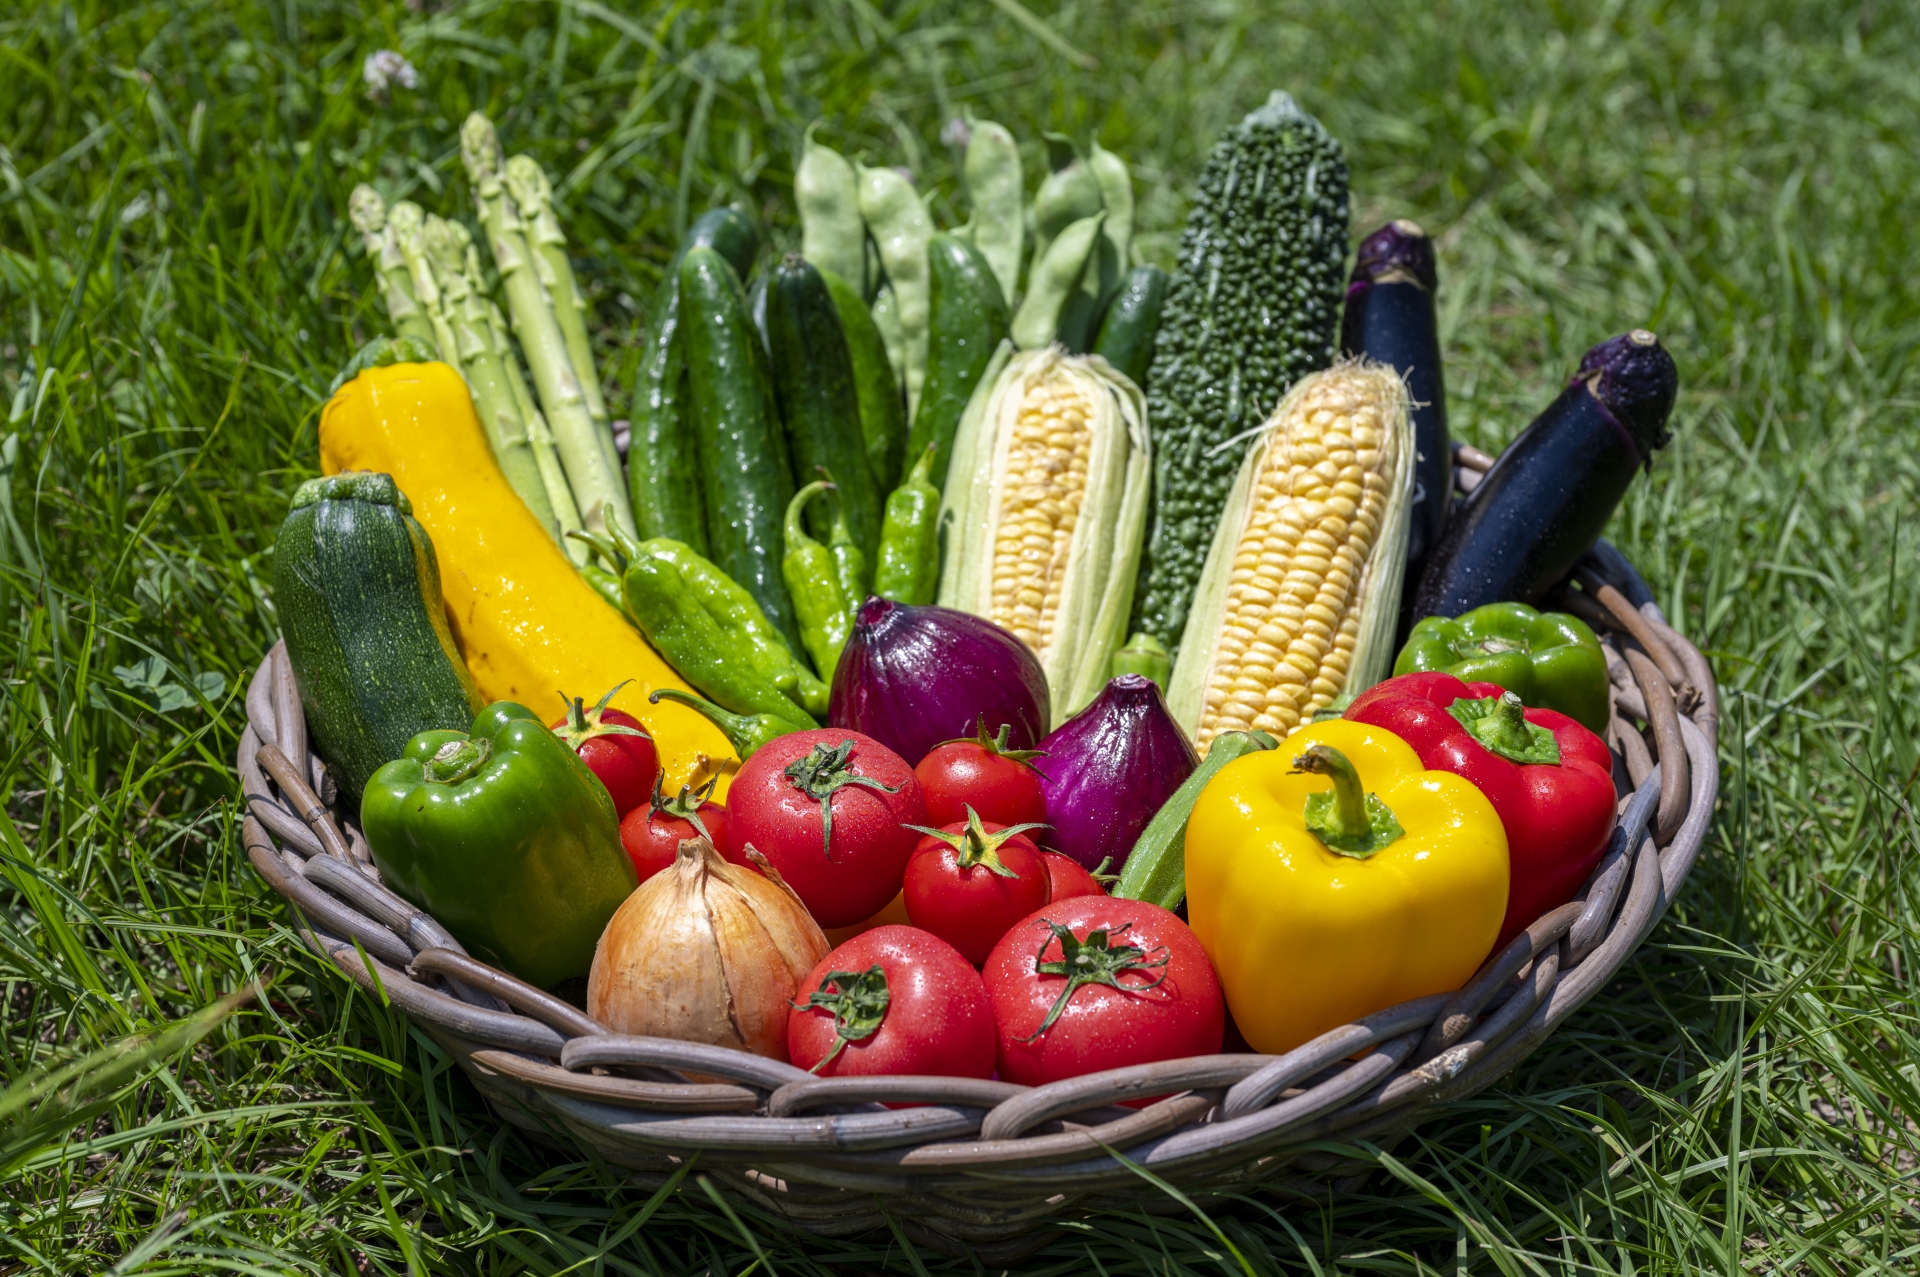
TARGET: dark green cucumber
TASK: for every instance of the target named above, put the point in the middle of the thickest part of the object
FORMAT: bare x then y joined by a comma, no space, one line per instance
660,450
1133,317
813,383
757,307
744,478
883,410
967,322
357,589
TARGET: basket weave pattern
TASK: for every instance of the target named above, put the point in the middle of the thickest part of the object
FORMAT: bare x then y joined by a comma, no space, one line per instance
982,1162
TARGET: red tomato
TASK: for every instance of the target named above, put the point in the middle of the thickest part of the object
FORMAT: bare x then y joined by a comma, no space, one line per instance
652,832
780,803
615,747
1069,877
1143,990
981,772
969,882
925,1014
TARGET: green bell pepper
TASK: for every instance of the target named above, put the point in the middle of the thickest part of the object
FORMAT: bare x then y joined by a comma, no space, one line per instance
1548,659
505,837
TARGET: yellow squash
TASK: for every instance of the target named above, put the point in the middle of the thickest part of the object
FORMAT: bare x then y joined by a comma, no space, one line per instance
1334,877
531,630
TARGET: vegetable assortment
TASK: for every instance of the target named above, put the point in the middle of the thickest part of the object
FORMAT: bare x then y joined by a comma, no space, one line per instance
982,577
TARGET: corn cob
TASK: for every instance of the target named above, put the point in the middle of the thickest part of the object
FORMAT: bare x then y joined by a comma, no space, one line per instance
1048,497
1296,605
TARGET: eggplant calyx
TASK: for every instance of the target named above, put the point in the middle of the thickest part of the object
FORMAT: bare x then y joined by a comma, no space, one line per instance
684,806
999,745
1096,960
1348,821
1634,379
583,724
824,771
857,1000
1398,253
1500,725
975,846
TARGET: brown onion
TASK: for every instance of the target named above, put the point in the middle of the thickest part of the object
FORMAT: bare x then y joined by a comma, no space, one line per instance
706,951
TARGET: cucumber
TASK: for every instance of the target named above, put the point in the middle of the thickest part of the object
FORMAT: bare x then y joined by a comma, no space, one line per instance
1133,317
357,588
813,384
744,477
883,414
757,308
660,449
968,322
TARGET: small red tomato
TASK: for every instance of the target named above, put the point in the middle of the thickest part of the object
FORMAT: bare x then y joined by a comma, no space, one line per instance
652,832
1069,877
615,747
1096,983
894,1000
981,772
969,882
831,810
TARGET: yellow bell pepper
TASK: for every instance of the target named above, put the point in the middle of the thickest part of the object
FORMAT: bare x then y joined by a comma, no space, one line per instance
1333,877
529,627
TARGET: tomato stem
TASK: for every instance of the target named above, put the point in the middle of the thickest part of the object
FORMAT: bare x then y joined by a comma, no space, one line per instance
975,846
821,773
858,1006
1095,960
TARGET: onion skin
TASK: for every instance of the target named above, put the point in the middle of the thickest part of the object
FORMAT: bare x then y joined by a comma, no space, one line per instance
706,951
912,677
1109,769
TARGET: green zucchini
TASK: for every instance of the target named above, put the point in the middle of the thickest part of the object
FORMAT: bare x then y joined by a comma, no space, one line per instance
744,477
1132,319
883,414
1156,868
813,384
969,321
357,589
660,448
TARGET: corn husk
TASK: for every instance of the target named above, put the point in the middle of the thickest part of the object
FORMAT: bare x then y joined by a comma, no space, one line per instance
1083,577
1252,613
706,951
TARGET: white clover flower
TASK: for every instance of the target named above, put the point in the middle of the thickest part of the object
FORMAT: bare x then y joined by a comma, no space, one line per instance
957,132
385,69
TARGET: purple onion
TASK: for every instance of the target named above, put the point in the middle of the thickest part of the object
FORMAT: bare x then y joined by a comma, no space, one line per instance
911,677
1109,769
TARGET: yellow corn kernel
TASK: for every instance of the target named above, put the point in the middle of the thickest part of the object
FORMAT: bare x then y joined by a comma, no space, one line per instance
1318,500
1047,460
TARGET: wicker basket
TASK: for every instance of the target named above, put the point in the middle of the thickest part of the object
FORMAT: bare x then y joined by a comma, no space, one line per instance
988,1165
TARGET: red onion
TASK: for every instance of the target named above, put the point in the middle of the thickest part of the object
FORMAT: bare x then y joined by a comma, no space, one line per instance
1108,769
911,677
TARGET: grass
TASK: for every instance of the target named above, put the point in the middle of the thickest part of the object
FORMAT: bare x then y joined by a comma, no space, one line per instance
178,284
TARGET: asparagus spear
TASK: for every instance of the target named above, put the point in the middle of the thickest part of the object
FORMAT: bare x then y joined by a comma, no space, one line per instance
405,223
596,484
539,439
368,212
466,313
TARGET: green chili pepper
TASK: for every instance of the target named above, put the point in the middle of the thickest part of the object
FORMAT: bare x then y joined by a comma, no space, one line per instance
745,732
826,617
748,632
909,570
1548,659
673,612
849,564
503,835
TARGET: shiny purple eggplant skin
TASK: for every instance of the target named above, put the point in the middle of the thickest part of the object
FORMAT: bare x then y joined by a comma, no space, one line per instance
1550,494
912,677
1109,769
1389,317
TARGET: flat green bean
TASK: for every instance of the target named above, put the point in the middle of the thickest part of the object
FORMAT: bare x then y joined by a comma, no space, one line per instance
1054,279
897,218
995,191
832,234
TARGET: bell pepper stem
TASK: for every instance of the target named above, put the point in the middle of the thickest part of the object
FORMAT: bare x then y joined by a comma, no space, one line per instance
1500,725
1349,821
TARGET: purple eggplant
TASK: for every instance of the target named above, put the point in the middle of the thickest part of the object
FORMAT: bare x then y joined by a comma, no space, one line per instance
1389,317
1109,769
1550,494
911,677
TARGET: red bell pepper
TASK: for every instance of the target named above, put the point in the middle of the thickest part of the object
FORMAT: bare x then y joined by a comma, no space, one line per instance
1549,779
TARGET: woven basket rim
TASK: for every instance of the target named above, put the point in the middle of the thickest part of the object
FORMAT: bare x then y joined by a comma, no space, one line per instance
981,1162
